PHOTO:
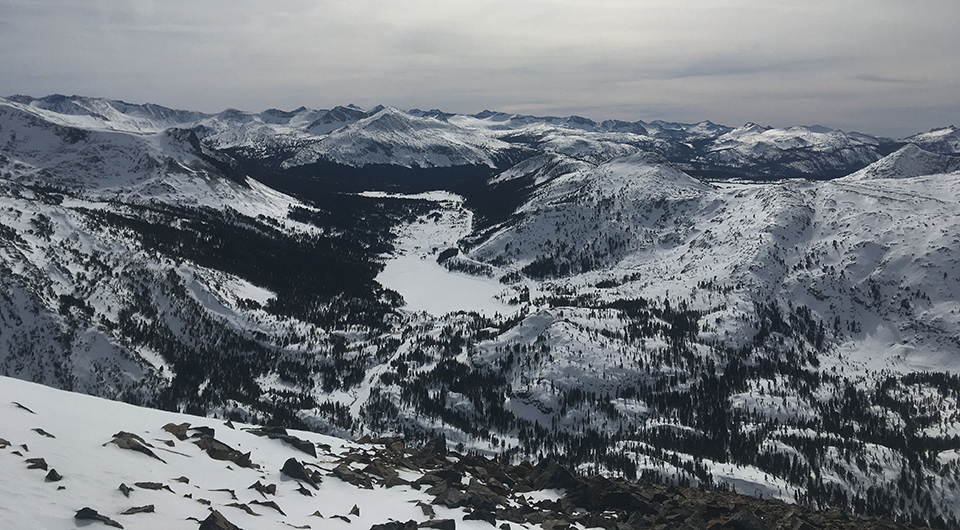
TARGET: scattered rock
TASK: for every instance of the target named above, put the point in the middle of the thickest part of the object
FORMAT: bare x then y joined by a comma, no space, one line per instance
155,486
294,469
91,515
216,521
19,406
42,432
440,524
126,440
139,509
125,489
36,463
269,504
53,476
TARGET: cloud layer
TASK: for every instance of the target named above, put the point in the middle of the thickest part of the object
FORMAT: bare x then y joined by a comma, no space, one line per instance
880,66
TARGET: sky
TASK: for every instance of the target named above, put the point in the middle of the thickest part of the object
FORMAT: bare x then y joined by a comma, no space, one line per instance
885,67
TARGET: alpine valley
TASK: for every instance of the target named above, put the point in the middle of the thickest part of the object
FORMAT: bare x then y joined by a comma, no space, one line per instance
771,312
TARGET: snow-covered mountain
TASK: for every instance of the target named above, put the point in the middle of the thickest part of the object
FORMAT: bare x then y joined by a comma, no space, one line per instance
790,338
945,140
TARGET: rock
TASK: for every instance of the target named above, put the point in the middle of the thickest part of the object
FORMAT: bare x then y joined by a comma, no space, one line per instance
216,521
395,525
53,476
90,514
357,478
264,490
355,510
427,509
317,514
295,470
745,520
218,450
125,489
154,486
204,431
19,406
269,504
42,432
36,463
303,491
180,431
279,433
341,517
139,509
555,524
440,524
549,474
126,440
4,444
244,507
481,497
451,498
481,515
182,480
233,494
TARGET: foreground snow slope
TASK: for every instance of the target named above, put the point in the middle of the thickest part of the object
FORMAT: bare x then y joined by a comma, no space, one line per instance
93,469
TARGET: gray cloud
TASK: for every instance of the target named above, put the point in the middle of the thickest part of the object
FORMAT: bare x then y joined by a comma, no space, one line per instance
843,64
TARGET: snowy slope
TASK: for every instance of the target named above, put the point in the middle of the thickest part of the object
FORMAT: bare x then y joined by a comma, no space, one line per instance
92,469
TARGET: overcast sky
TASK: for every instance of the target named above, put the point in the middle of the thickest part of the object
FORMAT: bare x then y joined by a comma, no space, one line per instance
887,67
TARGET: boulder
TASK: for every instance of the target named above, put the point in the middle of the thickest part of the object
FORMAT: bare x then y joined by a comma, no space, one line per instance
36,463
53,476
216,521
89,514
294,469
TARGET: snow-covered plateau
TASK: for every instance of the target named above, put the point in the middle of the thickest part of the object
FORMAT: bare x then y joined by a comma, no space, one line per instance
774,312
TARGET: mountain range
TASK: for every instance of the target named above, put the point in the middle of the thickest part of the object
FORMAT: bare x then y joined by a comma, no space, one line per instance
770,311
